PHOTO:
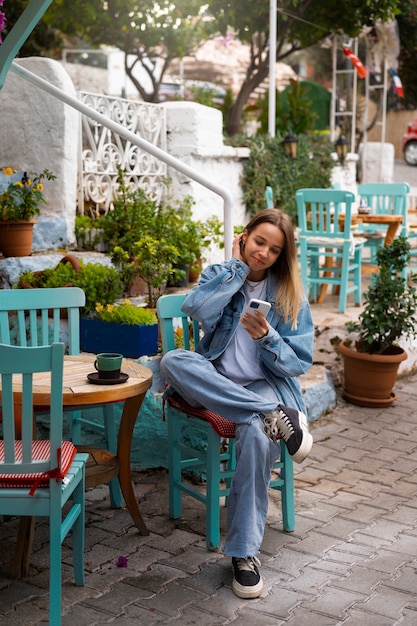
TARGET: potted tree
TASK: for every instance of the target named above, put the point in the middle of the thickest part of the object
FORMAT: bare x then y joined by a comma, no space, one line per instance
371,360
21,193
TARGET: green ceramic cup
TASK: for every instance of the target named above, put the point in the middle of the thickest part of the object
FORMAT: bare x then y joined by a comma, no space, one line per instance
108,364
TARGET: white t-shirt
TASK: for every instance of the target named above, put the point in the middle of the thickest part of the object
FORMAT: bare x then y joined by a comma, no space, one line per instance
239,361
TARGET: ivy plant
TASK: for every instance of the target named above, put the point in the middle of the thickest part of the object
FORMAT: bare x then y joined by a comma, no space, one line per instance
268,165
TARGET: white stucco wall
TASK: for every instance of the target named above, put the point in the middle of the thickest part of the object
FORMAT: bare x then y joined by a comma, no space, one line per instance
195,135
39,131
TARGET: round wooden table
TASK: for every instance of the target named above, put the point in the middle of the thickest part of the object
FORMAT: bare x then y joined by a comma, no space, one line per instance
102,465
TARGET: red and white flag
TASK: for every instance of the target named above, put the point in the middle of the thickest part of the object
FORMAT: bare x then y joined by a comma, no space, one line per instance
357,63
398,86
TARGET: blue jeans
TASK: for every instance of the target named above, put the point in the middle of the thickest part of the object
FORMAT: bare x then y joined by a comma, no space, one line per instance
198,382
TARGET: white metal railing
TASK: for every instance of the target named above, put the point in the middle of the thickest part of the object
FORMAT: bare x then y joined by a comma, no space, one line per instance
142,143
103,150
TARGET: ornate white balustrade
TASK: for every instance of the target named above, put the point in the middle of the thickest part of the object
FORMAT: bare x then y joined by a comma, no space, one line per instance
103,151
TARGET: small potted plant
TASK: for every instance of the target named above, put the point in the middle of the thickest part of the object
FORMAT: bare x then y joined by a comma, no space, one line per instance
21,193
100,283
371,360
122,327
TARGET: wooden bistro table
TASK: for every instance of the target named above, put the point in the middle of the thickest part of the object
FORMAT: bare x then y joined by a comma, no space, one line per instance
392,221
102,466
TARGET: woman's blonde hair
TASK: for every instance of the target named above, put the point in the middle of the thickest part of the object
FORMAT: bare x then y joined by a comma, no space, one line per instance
290,293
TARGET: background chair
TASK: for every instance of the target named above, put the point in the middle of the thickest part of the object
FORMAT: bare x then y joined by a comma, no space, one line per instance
37,478
32,317
329,254
383,199
196,439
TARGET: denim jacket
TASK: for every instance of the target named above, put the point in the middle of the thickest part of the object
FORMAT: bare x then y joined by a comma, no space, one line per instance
284,353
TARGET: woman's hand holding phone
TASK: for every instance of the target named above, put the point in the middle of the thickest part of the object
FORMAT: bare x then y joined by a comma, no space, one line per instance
254,318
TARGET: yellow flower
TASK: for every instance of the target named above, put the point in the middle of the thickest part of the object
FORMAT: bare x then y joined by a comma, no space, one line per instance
40,187
8,171
109,308
99,307
18,183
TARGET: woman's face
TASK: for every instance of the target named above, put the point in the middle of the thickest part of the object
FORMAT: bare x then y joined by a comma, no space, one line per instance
262,248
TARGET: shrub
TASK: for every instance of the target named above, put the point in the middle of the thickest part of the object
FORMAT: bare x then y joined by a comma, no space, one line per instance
268,165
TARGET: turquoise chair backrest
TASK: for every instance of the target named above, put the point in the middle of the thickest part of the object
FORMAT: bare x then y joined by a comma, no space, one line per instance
32,317
27,361
387,199
319,211
171,319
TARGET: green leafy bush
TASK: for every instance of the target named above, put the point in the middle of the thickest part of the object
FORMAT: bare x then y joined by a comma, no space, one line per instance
268,165
99,283
125,313
390,302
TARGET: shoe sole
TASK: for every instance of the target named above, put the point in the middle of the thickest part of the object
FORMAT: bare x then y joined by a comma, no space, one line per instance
305,448
247,592
307,442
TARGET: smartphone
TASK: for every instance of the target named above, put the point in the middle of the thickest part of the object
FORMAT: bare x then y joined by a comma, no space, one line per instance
257,305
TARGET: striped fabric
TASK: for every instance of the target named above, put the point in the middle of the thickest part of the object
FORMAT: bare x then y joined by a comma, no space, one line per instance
40,451
222,426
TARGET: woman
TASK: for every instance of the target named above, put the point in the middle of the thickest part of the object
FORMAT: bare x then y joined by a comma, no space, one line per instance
245,368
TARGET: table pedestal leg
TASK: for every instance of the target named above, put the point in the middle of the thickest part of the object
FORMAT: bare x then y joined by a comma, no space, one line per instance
127,423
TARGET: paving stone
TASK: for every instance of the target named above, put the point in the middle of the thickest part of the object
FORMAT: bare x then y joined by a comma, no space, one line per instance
363,618
334,602
386,602
171,601
350,561
121,595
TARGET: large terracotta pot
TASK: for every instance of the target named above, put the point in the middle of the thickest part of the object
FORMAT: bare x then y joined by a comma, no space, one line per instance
369,378
16,237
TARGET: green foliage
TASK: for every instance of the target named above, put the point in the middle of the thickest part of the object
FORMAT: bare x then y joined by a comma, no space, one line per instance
407,61
390,302
99,283
45,38
293,110
268,165
147,238
20,200
125,313
86,232
151,34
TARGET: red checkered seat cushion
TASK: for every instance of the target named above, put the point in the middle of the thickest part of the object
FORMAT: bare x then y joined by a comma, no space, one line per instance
222,426
40,451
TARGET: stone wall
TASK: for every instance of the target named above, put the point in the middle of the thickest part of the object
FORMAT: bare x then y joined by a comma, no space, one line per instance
39,131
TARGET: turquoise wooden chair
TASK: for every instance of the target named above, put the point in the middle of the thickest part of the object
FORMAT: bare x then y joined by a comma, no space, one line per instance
32,317
39,477
329,254
383,199
269,197
196,440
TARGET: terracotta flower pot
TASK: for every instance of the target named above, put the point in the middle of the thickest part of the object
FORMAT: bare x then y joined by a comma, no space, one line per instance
369,378
16,237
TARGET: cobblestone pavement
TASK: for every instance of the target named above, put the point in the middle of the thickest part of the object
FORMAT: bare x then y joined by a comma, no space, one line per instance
351,560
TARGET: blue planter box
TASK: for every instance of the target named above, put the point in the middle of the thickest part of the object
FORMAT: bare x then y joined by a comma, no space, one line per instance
130,340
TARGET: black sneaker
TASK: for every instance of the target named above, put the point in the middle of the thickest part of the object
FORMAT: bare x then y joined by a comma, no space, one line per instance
247,581
291,425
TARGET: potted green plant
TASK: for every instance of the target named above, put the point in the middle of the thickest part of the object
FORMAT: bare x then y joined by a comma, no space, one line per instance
122,327
100,283
371,360
21,193
152,241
